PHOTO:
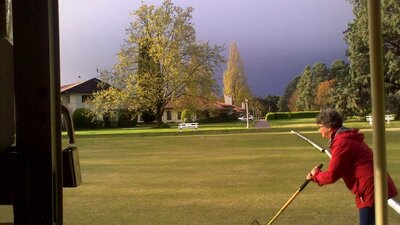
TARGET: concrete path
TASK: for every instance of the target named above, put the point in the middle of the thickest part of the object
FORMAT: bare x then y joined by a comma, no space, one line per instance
261,124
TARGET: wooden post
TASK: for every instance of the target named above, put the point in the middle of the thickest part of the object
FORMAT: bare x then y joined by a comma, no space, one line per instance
378,111
38,198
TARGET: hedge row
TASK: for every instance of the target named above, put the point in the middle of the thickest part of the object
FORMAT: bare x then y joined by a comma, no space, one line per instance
291,115
85,119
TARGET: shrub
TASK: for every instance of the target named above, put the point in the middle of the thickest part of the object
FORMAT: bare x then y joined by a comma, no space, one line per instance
85,119
163,125
224,117
148,117
291,115
127,119
186,116
277,116
304,114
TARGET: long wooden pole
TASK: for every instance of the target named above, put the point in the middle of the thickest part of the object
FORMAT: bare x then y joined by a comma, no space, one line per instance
378,111
291,198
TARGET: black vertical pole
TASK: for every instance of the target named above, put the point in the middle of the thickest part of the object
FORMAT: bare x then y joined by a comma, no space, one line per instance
38,198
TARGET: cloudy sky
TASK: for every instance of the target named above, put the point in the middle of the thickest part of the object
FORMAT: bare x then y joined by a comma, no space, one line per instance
276,38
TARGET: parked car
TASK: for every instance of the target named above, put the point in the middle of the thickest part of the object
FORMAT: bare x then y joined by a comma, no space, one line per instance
243,118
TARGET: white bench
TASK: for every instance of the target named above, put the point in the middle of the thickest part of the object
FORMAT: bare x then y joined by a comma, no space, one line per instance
388,118
182,126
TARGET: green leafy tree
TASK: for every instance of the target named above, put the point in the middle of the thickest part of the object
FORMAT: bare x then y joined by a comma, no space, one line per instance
161,61
271,103
235,82
259,106
283,103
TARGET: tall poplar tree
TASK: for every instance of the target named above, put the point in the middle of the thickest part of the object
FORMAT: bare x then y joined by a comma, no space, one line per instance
235,82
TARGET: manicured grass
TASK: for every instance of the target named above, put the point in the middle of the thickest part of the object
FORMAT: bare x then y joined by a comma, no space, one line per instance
208,179
220,128
147,130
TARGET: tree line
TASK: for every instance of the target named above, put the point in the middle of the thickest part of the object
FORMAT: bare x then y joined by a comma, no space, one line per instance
346,86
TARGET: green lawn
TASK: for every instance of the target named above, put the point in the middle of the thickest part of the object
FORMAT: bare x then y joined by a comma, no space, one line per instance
208,178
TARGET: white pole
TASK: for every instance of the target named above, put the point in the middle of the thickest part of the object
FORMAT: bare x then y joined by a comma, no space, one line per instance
247,113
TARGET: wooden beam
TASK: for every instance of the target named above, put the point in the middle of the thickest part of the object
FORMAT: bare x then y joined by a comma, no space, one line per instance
378,111
38,198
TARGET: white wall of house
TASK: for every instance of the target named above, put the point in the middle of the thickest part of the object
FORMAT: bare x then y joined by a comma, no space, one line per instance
73,101
173,116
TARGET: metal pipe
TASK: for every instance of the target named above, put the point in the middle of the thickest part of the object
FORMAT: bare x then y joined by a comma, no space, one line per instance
322,150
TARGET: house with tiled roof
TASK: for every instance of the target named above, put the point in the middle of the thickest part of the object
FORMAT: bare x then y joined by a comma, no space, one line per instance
74,96
218,108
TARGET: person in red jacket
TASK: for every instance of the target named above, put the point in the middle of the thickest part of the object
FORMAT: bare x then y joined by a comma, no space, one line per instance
352,160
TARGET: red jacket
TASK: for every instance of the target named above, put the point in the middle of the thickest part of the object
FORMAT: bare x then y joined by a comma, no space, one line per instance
352,160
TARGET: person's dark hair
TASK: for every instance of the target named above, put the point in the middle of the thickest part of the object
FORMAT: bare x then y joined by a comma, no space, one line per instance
330,118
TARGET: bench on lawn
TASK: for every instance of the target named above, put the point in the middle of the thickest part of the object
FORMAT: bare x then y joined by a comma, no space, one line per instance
182,126
388,118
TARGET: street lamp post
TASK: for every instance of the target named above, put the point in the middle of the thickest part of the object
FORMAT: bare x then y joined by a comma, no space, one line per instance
247,113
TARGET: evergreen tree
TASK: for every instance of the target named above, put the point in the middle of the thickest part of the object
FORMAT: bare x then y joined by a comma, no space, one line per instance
306,90
283,103
320,72
271,103
339,93
357,38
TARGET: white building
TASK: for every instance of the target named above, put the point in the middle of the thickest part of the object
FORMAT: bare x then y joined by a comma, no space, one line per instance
73,96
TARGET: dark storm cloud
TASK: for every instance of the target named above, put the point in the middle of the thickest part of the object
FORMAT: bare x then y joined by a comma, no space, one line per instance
276,39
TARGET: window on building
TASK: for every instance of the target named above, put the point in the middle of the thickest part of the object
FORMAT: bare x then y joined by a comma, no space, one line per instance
179,115
169,115
85,97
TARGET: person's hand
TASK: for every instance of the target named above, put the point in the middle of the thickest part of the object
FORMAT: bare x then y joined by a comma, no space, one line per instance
312,173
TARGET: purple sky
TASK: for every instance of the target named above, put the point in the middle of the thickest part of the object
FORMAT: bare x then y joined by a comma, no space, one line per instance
276,38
